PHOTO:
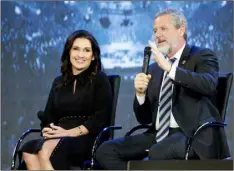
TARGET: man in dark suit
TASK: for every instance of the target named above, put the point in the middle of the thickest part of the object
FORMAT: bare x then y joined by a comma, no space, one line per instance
175,98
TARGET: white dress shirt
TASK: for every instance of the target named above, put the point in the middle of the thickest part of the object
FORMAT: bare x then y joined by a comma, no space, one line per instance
171,74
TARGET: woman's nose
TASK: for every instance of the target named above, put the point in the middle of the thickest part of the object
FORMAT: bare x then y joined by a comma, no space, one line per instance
81,54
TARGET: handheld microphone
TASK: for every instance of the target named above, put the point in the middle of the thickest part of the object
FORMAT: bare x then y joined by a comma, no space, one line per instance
147,54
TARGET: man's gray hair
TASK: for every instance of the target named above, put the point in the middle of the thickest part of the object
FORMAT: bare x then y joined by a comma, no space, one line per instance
178,19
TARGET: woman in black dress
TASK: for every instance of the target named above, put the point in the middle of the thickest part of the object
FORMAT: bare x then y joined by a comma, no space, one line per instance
78,108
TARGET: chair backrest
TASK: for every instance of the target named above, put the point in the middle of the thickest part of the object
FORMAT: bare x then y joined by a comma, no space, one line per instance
115,85
223,91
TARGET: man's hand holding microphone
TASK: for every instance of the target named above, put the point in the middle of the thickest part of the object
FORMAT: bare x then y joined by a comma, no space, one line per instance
141,80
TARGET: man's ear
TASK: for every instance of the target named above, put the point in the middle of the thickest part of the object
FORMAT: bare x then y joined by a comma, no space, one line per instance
182,30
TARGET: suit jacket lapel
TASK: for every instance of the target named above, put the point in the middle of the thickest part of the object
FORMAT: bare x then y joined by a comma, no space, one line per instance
184,58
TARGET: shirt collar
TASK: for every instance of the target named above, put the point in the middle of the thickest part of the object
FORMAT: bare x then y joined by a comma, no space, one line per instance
82,77
179,52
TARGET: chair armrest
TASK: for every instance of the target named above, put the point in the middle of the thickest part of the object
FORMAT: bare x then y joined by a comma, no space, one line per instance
16,149
199,129
137,128
97,141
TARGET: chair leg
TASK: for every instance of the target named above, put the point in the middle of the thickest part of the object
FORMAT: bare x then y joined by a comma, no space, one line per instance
22,166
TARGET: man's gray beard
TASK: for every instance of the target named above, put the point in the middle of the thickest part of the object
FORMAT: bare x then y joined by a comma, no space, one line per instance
165,50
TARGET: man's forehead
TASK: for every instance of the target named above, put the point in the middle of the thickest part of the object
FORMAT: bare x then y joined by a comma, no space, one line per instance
162,24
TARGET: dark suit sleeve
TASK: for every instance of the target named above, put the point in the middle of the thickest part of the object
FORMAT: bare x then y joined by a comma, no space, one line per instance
103,105
143,112
205,77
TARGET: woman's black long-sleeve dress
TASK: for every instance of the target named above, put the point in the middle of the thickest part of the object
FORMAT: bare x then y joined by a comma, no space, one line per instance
90,106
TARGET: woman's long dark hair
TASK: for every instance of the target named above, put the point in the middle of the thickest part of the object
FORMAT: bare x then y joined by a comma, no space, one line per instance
66,67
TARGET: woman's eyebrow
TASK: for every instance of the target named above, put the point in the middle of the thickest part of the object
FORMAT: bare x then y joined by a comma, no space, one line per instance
88,47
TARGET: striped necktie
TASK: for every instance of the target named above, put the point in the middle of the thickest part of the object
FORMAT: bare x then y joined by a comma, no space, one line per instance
165,107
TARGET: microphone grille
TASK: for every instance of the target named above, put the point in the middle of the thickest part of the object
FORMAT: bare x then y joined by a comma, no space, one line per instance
147,50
